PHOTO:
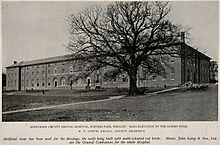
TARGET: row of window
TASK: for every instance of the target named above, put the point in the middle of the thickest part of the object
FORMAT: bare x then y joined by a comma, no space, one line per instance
49,71
55,82
12,83
11,74
38,66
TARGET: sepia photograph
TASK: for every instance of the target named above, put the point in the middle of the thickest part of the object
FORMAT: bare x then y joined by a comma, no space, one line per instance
72,61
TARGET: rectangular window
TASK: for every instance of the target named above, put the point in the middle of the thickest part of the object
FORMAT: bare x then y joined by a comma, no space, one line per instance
172,77
124,79
97,78
172,70
71,69
63,70
75,82
114,80
154,78
55,71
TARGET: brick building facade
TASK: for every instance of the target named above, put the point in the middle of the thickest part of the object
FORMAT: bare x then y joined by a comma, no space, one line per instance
58,72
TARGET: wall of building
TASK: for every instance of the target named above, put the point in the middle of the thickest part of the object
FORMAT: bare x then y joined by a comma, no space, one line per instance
61,74
172,77
12,78
195,66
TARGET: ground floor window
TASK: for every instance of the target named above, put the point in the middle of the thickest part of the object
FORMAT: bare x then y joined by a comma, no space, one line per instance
63,82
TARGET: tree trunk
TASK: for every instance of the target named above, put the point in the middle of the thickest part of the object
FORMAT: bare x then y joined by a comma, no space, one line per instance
133,82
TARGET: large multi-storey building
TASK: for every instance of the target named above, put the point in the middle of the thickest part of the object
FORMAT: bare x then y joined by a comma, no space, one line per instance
58,72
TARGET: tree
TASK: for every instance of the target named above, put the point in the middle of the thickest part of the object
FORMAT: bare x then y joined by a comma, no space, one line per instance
125,36
213,71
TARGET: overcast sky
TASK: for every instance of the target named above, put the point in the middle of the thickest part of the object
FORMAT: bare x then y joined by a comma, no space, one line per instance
33,30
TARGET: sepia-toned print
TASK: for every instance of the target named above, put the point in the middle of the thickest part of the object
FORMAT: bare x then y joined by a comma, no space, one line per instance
109,61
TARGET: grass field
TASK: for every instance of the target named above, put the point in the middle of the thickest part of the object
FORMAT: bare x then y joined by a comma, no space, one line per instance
199,105
23,100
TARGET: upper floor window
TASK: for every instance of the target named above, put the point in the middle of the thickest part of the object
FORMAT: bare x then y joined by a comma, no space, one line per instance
172,77
63,70
114,80
97,78
154,77
124,79
55,70
71,69
75,82
172,70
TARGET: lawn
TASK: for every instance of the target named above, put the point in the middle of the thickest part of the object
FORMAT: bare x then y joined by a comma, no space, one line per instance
197,105
23,100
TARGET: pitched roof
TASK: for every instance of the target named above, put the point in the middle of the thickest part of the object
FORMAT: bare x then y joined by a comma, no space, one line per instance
41,61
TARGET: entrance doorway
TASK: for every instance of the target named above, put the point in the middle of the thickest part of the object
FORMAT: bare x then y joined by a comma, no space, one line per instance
55,82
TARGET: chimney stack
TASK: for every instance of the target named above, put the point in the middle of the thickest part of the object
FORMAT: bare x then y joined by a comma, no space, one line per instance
15,62
182,37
